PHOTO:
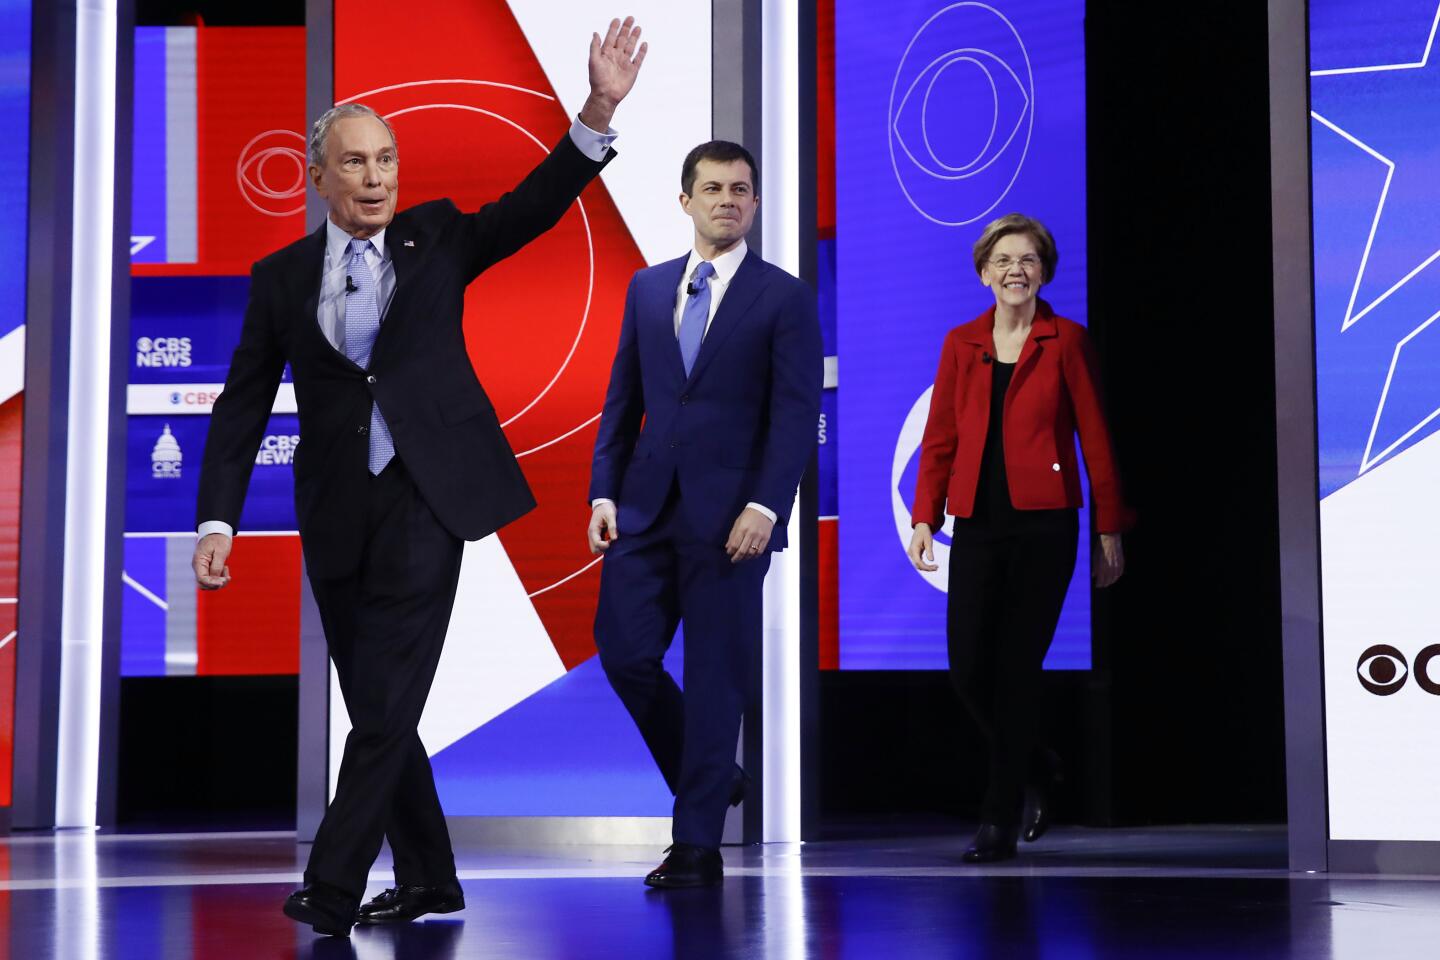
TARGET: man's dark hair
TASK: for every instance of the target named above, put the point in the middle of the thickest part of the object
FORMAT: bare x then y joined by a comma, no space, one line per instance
719,151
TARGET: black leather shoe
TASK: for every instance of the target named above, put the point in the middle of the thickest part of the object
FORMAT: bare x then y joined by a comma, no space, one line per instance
1040,799
406,902
326,909
991,843
687,866
739,786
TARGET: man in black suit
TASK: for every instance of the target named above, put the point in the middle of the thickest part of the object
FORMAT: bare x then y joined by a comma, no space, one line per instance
402,459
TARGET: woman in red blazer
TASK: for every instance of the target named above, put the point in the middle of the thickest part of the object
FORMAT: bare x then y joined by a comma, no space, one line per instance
1014,387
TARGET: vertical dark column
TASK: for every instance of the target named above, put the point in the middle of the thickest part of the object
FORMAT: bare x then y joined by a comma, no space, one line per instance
47,389
737,103
1299,508
119,378
312,780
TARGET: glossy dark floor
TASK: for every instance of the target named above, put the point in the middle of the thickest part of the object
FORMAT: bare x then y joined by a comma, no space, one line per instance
1151,894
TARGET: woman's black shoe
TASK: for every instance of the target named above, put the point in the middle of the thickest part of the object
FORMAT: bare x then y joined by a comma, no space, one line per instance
991,843
1040,799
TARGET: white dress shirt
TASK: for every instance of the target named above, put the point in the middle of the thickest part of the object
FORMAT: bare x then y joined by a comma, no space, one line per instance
725,266
331,311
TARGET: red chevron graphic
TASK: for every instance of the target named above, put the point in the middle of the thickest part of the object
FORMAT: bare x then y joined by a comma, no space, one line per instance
473,112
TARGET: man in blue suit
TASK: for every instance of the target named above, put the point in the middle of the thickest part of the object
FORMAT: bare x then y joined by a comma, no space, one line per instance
709,421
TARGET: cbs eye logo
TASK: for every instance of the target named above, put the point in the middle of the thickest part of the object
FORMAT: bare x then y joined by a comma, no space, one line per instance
1382,669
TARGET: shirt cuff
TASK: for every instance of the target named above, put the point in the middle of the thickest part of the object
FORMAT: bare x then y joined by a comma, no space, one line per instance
765,510
215,526
599,500
593,145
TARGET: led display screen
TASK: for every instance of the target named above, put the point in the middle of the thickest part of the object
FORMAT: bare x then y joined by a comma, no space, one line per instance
946,116
217,183
14,214
1374,90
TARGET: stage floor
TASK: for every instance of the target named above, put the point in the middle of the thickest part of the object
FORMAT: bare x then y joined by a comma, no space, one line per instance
1153,893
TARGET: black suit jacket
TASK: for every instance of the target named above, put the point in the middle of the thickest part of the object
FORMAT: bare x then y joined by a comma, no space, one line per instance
444,427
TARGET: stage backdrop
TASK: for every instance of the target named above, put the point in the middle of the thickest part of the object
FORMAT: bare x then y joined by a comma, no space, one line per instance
14,238
521,720
1375,142
946,116
218,183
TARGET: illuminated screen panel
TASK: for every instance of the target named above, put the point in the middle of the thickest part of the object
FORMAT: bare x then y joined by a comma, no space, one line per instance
1374,91
827,450
218,183
521,720
14,213
950,116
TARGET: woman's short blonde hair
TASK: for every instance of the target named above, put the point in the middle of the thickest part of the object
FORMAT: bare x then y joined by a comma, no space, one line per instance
1018,223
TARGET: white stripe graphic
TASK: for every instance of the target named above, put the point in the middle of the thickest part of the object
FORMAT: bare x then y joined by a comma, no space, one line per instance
181,146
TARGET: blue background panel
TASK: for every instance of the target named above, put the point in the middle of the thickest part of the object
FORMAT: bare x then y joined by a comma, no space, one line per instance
1376,210
162,500
568,750
142,640
148,207
950,115
14,158
184,329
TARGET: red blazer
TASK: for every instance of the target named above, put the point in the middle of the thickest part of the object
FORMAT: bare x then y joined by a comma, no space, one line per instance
1054,392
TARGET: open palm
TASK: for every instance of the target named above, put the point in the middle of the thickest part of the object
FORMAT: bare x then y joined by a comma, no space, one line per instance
615,60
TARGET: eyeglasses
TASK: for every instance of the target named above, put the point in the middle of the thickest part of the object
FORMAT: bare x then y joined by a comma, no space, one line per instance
1027,263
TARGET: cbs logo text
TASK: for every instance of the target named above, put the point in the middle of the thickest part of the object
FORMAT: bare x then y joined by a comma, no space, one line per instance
1383,669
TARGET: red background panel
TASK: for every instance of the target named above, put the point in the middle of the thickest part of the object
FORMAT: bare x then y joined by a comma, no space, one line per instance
11,433
829,575
253,625
251,82
825,117
542,356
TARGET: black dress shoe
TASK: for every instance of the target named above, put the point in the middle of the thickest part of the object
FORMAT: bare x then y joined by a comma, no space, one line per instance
1040,799
991,843
406,902
687,866
326,909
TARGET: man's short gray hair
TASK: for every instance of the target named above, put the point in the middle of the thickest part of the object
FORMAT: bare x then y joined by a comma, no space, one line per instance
320,131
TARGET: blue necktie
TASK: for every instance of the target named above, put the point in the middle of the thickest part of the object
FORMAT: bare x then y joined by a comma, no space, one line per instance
362,325
696,315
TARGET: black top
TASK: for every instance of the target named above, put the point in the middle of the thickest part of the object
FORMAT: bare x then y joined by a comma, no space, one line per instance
993,509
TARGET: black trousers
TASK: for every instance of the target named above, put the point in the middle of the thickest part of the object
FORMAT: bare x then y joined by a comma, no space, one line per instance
1005,594
650,582
385,623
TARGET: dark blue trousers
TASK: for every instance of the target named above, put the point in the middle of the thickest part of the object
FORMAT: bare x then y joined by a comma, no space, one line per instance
651,581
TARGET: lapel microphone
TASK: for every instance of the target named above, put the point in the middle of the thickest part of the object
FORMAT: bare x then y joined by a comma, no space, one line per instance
691,289
984,354
351,288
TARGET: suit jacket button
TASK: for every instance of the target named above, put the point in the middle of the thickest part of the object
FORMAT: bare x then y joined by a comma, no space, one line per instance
1055,467
674,443
370,379
362,429
684,399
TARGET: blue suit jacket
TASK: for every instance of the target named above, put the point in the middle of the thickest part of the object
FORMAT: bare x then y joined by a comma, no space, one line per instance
740,428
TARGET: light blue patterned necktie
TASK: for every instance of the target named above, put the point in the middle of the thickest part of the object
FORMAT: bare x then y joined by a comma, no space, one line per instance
362,325
695,315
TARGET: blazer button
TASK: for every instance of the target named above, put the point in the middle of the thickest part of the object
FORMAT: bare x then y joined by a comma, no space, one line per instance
674,443
370,379
684,399
1055,467
362,429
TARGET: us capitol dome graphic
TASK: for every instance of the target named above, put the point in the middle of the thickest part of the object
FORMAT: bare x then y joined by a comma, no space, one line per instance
165,458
